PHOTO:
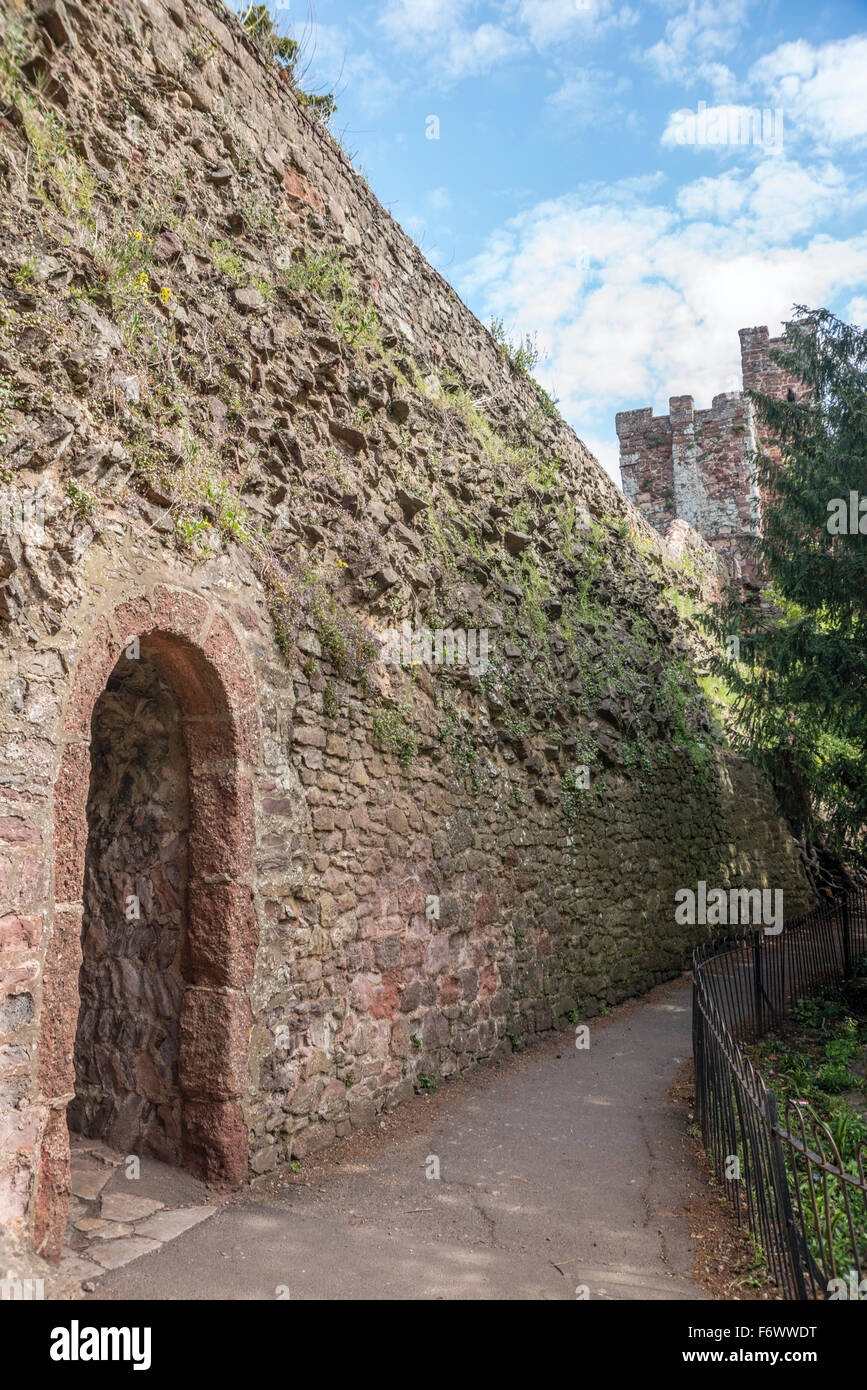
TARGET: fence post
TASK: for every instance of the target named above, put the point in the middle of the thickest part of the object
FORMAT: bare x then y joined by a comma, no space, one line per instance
847,941
785,1214
757,981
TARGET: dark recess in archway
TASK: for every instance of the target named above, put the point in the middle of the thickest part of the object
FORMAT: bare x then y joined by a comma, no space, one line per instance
134,937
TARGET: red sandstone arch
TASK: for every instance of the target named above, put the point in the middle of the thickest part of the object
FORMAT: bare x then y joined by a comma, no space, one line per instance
198,655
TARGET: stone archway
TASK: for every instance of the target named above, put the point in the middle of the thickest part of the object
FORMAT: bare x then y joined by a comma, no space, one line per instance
134,939
197,658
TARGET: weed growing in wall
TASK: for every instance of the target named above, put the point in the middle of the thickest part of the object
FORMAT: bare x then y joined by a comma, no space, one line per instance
456,737
326,275
524,355
392,728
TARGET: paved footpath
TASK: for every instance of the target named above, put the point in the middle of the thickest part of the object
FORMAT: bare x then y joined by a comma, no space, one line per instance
559,1167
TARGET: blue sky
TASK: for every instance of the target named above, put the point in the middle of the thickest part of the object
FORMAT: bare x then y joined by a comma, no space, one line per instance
631,182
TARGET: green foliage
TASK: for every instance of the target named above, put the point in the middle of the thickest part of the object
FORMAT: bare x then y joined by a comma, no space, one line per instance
835,1074
326,275
259,25
322,104
813,1065
456,735
228,262
572,790
549,404
545,473
84,503
524,355
191,530
344,638
57,172
800,689
282,49
330,705
392,727
13,51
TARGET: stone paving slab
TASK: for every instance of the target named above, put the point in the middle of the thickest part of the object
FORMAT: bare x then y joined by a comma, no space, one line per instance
110,1225
115,1253
113,1230
87,1183
168,1225
120,1206
78,1267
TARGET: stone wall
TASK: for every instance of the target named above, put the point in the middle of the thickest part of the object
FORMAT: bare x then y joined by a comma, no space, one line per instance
760,373
261,432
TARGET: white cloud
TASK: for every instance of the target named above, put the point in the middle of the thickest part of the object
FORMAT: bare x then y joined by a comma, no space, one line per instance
777,199
695,41
820,89
856,311
439,32
471,52
328,64
548,22
634,302
406,22
444,35
591,97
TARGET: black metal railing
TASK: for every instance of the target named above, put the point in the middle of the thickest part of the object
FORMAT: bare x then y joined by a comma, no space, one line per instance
804,1205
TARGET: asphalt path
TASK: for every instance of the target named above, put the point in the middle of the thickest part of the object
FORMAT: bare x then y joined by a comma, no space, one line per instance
562,1174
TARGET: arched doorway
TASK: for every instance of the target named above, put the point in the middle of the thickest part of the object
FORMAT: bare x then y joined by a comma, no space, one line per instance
154,1050
134,968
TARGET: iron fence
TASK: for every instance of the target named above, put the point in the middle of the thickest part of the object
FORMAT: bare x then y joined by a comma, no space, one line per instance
805,1206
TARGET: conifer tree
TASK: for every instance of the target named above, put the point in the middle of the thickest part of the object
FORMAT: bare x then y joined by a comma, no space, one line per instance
800,686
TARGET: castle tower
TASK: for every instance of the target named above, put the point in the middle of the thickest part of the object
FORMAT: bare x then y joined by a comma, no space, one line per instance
695,465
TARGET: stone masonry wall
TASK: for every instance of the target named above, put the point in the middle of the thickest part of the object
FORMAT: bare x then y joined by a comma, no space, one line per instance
255,431
761,374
